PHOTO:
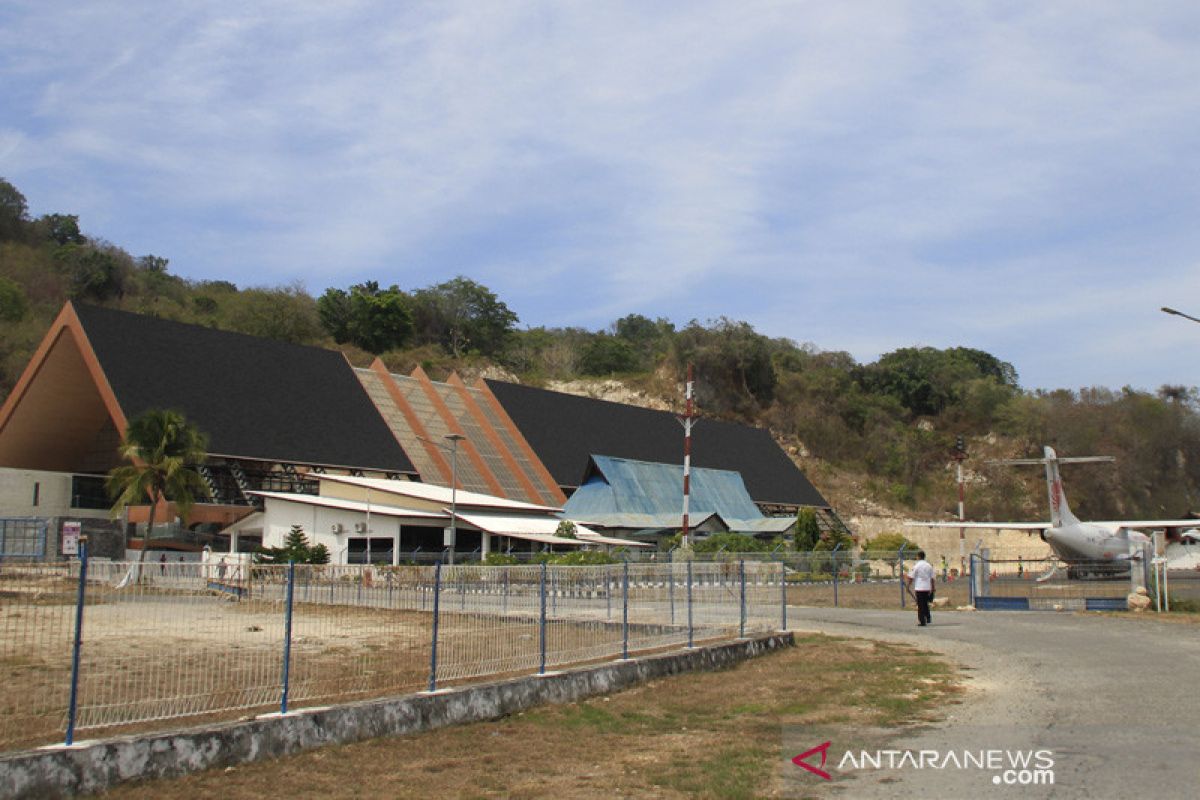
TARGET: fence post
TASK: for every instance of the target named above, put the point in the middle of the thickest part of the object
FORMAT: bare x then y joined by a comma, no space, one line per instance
287,637
742,593
80,597
971,578
542,622
833,566
901,570
608,590
625,611
783,594
671,588
505,602
689,602
437,592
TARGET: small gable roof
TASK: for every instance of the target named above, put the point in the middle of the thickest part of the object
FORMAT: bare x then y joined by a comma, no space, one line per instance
625,486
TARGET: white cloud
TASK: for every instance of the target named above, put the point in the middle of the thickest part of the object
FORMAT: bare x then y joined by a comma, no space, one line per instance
865,174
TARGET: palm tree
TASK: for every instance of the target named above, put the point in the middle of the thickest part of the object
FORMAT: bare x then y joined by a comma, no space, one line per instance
161,447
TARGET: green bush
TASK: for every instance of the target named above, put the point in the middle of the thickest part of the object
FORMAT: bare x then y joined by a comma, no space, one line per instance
580,558
889,543
731,542
1185,605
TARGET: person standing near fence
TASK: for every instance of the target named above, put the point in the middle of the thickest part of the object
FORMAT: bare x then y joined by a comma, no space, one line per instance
920,579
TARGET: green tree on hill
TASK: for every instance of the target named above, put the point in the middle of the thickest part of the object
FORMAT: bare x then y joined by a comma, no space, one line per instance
462,316
374,319
14,212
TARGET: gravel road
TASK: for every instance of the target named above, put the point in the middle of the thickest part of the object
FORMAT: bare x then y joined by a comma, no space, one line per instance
1116,701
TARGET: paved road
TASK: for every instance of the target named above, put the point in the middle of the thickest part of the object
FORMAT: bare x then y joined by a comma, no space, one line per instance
1117,701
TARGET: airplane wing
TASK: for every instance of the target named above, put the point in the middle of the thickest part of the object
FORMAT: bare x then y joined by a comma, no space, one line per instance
1151,524
993,526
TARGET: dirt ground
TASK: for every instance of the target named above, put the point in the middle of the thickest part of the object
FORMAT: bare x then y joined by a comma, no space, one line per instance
160,659
697,735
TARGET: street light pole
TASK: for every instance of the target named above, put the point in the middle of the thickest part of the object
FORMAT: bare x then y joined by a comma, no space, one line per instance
454,439
1166,310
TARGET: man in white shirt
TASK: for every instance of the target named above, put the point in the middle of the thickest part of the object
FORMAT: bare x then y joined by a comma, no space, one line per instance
920,580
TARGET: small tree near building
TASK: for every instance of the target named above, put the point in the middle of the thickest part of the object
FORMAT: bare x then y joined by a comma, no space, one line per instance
808,532
295,548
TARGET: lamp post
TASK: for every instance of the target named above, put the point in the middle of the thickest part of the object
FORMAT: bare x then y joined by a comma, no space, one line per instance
1166,310
454,439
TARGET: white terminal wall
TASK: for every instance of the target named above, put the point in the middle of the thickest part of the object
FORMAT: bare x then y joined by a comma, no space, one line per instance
53,495
317,521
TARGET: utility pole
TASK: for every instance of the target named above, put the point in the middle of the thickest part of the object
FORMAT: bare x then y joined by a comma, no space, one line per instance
960,455
687,422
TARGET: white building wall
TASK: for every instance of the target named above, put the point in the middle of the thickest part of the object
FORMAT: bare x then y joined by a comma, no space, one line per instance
281,515
53,495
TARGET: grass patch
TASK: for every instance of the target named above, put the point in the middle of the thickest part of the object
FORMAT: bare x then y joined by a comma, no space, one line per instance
713,735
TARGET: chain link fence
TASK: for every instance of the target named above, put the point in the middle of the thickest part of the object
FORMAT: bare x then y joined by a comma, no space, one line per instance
1004,580
91,647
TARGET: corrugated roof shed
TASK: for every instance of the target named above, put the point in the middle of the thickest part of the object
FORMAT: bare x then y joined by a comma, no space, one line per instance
565,429
255,398
624,493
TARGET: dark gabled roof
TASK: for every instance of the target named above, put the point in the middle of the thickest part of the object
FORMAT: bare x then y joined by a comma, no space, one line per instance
255,398
564,430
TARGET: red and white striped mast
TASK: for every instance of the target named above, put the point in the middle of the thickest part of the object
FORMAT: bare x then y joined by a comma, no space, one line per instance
687,456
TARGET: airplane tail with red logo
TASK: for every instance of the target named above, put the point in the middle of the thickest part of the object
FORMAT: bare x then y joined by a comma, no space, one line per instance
1060,511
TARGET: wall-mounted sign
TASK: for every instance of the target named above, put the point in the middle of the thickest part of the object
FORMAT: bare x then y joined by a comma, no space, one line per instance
70,538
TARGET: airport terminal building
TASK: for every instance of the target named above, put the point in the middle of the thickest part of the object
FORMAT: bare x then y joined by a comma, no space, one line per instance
279,417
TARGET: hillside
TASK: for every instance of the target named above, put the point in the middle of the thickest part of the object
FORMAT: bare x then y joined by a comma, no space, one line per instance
875,437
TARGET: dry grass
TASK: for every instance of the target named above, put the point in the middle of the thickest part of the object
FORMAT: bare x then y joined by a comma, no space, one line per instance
699,735
868,595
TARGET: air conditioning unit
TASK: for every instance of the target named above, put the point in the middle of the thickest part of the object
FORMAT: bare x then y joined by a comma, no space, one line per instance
336,528
360,527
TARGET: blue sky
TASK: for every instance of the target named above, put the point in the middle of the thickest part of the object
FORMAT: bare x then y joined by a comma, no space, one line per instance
1020,177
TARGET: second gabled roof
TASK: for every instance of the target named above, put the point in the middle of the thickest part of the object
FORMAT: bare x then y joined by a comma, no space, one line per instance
565,429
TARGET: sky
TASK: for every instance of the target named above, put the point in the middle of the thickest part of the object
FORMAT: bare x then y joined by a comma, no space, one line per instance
1018,177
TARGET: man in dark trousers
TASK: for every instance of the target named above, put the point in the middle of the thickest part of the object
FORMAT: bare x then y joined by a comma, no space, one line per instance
920,580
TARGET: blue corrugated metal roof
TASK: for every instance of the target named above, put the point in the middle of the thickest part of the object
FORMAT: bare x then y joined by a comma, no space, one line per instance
619,487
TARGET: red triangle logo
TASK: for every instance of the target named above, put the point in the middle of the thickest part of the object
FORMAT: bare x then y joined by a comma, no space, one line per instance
823,749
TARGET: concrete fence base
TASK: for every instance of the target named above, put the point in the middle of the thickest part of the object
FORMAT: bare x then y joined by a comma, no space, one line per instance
98,765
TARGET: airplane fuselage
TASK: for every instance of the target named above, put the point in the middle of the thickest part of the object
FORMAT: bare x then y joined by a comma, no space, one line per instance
1085,541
